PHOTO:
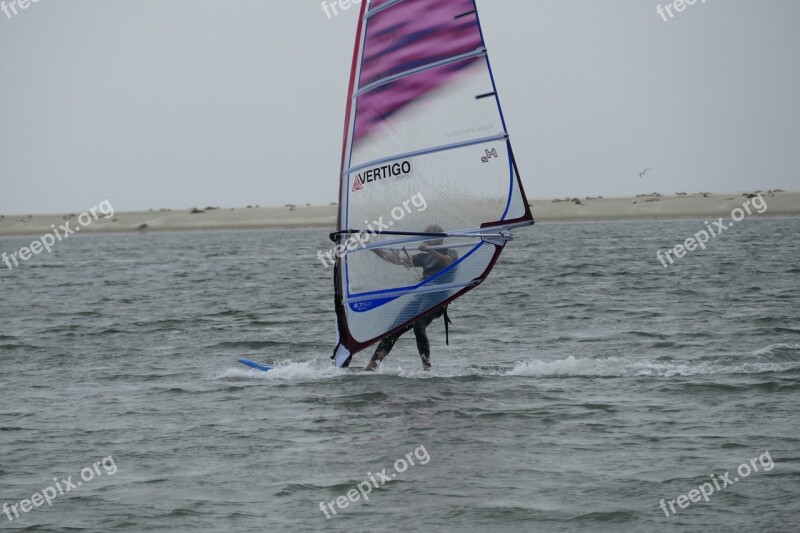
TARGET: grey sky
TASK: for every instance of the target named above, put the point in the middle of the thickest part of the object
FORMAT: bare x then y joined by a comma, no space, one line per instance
176,103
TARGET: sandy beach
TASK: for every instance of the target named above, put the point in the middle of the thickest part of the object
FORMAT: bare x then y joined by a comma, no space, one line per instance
645,207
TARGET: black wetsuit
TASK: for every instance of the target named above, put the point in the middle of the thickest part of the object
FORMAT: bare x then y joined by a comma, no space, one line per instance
430,267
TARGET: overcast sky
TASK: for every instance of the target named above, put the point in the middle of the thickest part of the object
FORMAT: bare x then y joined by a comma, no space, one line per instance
180,103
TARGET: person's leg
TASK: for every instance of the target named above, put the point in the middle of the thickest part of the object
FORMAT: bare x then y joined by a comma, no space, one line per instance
383,350
423,344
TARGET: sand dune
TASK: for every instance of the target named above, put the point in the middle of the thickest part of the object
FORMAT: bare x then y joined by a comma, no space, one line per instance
650,207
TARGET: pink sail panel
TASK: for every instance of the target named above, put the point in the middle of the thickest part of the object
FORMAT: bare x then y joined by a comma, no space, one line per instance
405,36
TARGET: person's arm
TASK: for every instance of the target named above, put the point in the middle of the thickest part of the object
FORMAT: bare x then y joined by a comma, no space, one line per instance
443,260
390,256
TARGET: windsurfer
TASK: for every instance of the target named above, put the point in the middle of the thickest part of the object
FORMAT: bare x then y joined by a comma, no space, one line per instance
432,260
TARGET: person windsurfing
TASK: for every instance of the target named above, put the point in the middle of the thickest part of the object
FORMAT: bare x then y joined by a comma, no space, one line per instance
432,259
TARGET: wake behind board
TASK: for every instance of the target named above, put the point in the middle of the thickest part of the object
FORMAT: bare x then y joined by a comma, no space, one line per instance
257,366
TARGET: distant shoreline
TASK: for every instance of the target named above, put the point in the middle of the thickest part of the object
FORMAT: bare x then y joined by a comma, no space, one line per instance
599,209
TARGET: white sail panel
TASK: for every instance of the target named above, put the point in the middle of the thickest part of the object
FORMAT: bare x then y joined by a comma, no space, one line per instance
446,115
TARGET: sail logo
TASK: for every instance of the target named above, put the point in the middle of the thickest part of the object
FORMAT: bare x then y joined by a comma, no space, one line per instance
489,154
396,170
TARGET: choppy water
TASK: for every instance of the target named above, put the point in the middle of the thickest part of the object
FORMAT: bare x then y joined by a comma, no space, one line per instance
584,384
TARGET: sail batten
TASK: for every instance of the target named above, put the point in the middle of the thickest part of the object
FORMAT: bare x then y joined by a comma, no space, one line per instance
414,290
426,153
442,62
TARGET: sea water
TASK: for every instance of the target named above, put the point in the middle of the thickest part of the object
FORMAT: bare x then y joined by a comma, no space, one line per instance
586,388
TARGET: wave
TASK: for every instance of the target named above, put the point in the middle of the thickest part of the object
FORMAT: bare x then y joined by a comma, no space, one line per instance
776,358
780,347
617,367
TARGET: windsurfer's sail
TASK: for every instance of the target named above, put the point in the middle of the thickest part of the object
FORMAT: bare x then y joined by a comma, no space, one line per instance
425,145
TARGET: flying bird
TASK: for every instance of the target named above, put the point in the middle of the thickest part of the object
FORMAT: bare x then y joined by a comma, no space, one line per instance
643,172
